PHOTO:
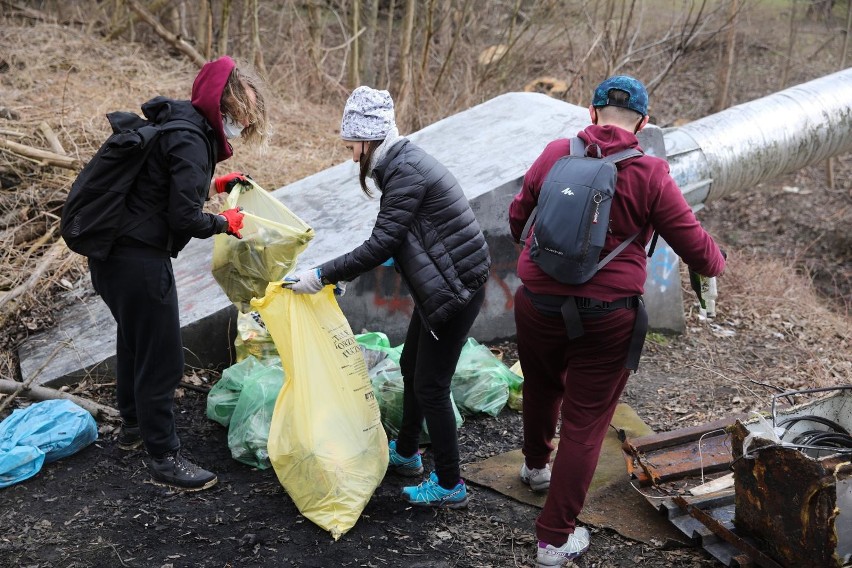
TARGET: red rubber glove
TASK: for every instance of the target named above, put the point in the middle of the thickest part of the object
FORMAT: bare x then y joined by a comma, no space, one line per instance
234,217
228,181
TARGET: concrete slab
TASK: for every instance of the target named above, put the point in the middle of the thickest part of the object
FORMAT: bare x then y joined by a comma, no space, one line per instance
488,148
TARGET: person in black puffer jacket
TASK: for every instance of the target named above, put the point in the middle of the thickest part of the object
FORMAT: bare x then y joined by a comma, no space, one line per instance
136,281
426,227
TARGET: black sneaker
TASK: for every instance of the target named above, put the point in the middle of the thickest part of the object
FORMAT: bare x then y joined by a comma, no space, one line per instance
174,470
128,437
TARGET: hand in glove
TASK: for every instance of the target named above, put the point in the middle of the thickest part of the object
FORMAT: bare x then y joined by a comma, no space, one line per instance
234,217
228,181
307,282
339,288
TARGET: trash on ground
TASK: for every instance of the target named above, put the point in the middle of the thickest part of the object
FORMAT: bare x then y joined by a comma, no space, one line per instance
42,433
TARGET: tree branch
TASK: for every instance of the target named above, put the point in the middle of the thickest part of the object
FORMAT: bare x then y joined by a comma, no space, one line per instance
171,38
43,157
46,393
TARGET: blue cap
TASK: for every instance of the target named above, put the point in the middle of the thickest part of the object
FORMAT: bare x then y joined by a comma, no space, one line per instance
638,96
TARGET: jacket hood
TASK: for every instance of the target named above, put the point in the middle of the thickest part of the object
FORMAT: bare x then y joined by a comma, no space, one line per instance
161,109
206,98
609,138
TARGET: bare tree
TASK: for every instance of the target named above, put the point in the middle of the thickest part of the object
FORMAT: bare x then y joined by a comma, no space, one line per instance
367,62
726,63
354,51
224,27
405,60
256,50
204,29
791,41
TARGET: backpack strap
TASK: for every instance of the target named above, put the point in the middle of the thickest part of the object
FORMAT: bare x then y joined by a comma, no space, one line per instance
623,155
576,147
149,134
615,158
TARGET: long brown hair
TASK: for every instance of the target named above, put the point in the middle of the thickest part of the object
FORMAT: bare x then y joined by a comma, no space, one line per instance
236,103
364,162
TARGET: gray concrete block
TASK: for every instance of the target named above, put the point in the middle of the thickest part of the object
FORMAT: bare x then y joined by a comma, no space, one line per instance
488,148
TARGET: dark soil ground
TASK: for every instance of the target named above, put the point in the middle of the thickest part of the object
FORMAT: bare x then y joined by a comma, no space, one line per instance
99,509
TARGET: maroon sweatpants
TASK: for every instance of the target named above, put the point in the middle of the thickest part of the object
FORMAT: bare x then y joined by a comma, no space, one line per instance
581,378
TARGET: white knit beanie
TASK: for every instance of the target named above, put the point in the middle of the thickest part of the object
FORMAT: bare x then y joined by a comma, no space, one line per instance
368,115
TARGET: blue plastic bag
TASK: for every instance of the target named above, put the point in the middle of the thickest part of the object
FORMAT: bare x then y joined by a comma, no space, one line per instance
42,433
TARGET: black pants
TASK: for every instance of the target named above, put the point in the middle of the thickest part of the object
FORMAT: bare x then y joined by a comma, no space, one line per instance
139,288
427,366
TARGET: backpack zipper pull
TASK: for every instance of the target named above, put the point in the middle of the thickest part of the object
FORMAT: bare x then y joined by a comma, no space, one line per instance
597,199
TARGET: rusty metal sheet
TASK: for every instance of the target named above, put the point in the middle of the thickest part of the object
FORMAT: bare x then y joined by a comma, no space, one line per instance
672,455
788,502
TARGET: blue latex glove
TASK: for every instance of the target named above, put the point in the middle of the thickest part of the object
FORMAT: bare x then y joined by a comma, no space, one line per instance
388,262
307,282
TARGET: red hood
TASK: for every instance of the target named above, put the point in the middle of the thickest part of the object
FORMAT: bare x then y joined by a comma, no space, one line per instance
206,96
610,138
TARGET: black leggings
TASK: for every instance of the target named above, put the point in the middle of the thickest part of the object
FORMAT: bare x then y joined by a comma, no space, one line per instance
427,367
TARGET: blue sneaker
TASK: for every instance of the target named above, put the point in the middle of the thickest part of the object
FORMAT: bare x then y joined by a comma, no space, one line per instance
409,467
430,494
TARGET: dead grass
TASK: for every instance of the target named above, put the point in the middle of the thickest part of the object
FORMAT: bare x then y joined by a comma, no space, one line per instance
773,331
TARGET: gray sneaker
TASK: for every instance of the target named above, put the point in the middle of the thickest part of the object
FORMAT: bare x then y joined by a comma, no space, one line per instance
537,479
549,555
175,471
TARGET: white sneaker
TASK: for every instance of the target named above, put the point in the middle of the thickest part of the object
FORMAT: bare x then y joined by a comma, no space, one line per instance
549,555
537,479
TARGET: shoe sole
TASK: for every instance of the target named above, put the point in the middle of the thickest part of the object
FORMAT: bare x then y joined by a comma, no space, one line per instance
562,559
537,488
406,471
207,485
128,447
442,504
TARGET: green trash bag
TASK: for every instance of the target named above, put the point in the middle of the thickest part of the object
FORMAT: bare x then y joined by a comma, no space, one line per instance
248,432
223,396
375,346
388,387
481,382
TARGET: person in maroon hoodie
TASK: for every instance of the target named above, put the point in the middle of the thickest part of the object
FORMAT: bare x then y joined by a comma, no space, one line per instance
580,380
136,280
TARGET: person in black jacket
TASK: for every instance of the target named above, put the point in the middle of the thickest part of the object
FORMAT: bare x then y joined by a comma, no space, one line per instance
426,226
136,280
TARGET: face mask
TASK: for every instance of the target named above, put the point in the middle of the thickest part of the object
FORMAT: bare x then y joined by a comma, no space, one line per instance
232,128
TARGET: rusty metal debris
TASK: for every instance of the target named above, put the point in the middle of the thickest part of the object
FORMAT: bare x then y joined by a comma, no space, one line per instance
791,503
794,503
681,453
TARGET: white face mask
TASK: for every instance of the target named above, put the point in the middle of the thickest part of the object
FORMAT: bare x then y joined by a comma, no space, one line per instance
232,128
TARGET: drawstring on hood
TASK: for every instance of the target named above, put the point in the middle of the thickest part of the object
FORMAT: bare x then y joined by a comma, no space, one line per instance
207,97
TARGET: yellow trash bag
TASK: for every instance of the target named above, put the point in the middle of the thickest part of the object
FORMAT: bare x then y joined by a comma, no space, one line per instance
273,236
326,441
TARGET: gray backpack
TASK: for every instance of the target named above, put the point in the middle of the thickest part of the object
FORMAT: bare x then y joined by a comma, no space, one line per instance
572,215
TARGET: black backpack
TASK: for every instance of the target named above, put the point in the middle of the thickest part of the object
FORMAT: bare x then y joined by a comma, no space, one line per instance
572,215
93,214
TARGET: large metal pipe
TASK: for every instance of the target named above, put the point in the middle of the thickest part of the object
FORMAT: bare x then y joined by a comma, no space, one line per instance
755,141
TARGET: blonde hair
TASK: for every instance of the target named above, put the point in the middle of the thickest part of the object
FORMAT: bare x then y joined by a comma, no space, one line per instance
237,103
